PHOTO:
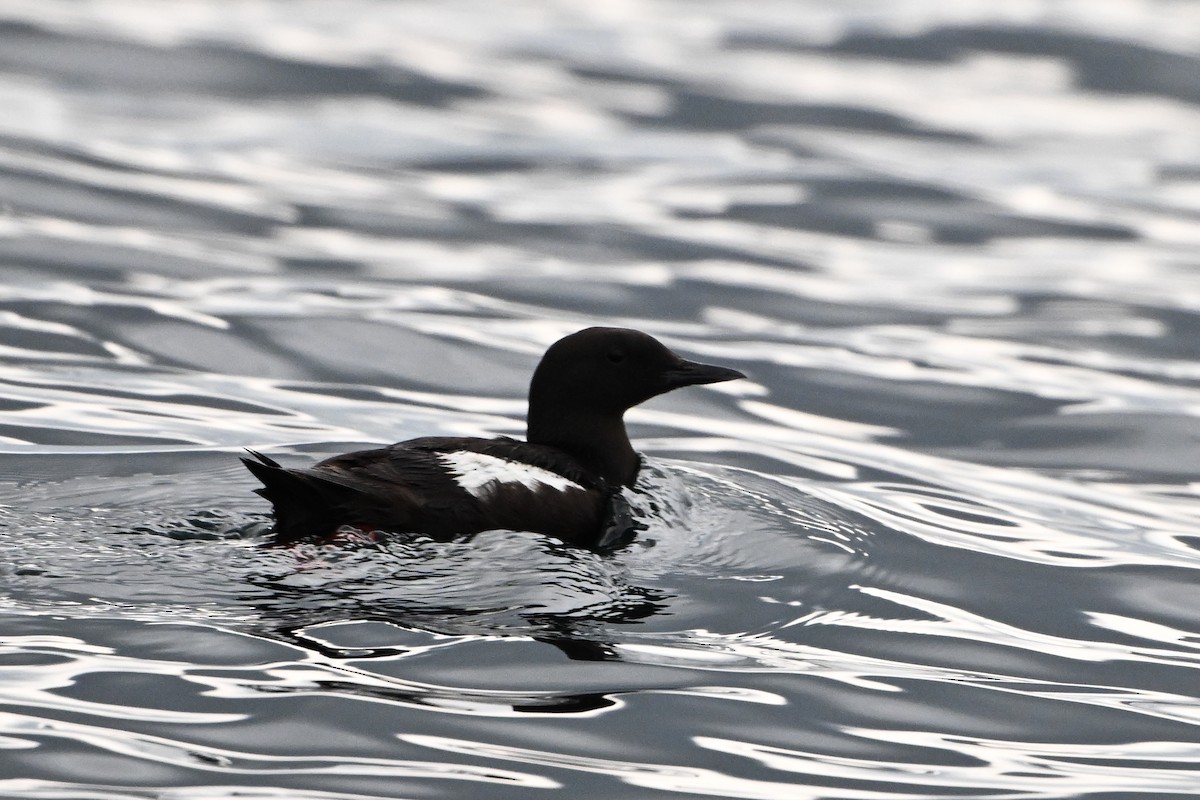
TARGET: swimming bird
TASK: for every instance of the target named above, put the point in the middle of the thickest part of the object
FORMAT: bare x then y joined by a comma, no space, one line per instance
564,480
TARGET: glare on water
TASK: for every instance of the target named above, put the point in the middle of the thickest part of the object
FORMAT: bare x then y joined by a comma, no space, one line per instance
943,543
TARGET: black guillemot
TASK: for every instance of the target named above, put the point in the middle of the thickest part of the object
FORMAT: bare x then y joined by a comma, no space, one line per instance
564,481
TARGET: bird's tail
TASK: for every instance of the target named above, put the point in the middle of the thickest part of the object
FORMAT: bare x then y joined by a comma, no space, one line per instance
305,506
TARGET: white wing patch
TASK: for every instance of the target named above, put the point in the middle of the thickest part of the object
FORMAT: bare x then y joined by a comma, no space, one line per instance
476,472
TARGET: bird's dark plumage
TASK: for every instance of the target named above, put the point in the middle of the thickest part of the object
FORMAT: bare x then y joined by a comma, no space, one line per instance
563,481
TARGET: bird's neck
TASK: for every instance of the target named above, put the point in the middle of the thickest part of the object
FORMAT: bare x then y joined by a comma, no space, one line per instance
601,446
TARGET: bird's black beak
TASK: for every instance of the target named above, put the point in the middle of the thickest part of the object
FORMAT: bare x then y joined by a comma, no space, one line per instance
691,373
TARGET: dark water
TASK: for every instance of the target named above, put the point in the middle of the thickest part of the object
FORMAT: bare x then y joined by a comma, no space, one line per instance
945,544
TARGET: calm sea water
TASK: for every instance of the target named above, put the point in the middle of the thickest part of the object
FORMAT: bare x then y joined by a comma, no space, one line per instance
945,543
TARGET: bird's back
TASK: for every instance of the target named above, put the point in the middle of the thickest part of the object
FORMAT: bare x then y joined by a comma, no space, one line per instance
438,486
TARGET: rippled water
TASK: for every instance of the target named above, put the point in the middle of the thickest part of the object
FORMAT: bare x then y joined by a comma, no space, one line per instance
945,543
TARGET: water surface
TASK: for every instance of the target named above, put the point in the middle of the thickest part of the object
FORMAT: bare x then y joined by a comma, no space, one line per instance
944,543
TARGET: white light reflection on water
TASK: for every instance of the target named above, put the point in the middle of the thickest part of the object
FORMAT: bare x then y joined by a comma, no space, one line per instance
943,543
1001,768
159,750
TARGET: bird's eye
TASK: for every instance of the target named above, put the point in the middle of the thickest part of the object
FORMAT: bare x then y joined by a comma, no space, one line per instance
616,356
